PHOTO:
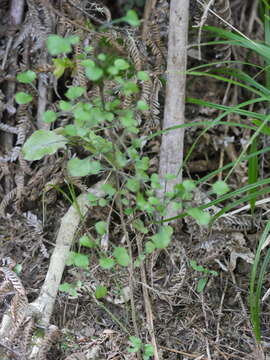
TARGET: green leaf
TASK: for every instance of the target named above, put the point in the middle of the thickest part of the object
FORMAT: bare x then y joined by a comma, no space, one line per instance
141,105
101,291
60,65
84,167
86,241
120,158
139,225
143,75
101,227
131,18
93,73
149,247
41,143
69,289
200,268
121,64
73,39
102,57
112,70
49,116
70,130
92,198
74,92
143,205
148,351
26,77
133,185
102,202
88,48
176,206
130,88
127,120
18,269
57,45
153,200
162,239
202,218
109,116
142,164
81,260
65,105
136,344
201,285
121,256
139,260
155,181
88,63
108,189
106,263
220,187
189,185
70,259
23,98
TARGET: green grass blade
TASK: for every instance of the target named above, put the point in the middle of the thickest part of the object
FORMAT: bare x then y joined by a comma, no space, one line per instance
235,203
254,296
236,109
259,48
226,80
253,172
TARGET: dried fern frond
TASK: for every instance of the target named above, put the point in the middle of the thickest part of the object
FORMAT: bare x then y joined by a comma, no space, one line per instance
79,78
7,262
26,339
33,221
18,310
14,279
24,166
5,288
223,9
6,201
134,52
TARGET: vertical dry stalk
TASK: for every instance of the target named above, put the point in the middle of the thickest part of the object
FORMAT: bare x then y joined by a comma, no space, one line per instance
171,153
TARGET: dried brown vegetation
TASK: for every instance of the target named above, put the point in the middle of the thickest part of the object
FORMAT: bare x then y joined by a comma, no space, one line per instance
187,325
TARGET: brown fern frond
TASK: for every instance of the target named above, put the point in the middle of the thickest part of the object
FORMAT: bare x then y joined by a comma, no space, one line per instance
18,309
24,165
22,119
6,201
134,52
79,78
146,90
159,58
7,262
43,250
13,278
223,9
33,221
154,102
29,327
5,288
19,180
128,101
99,8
